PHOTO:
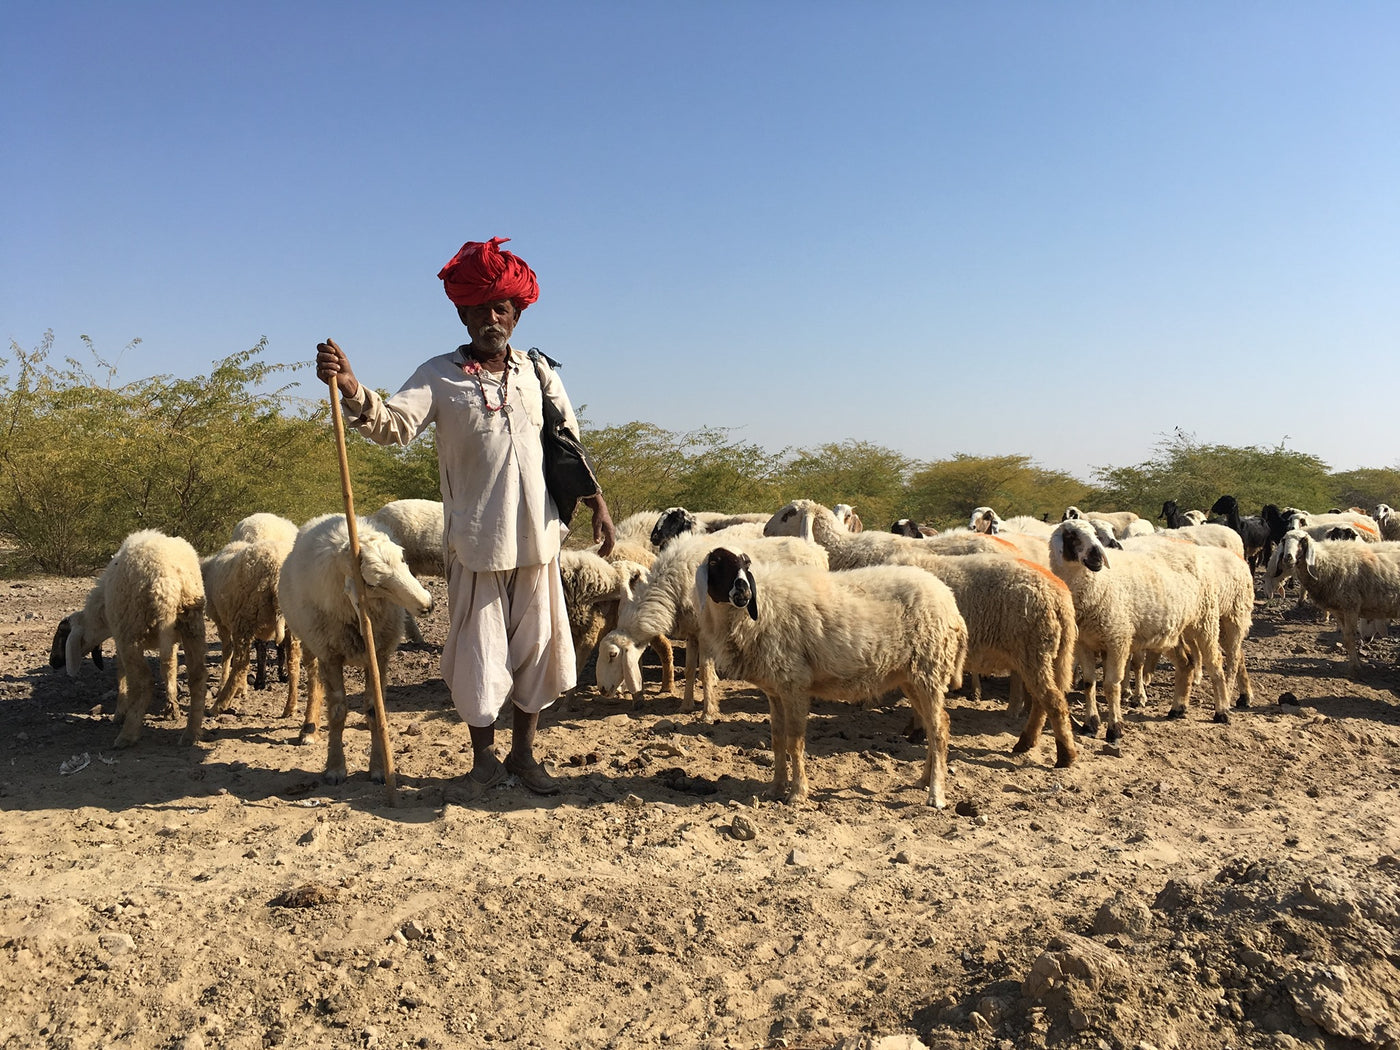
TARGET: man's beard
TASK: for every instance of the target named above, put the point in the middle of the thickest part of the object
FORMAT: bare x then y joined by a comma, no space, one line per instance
492,338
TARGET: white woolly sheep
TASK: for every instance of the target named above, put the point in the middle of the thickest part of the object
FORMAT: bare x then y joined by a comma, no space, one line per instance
1389,522
277,530
846,515
315,592
1020,617
240,596
665,605
151,595
1208,534
797,632
1352,580
676,522
1141,601
416,525
593,590
1226,570
1119,520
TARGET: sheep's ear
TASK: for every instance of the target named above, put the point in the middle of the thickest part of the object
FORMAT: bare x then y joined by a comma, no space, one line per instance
753,589
352,593
806,529
97,658
1106,563
1308,550
702,585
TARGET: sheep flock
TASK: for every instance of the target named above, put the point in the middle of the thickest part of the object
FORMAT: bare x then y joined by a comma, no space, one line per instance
801,602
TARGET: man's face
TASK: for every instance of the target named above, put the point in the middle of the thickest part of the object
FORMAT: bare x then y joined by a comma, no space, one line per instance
490,324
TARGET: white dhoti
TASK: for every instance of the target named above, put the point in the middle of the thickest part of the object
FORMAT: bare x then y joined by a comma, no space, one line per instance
509,640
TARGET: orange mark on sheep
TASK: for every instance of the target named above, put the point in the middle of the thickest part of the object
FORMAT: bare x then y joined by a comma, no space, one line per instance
1044,572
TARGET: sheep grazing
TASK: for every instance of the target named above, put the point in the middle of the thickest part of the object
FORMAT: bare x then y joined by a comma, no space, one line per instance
151,595
665,605
416,525
1253,530
240,590
1138,601
797,632
911,529
58,654
1352,580
275,529
1020,618
316,591
593,590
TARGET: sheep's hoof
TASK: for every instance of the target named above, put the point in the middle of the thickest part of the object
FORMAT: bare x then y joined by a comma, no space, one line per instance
189,739
1243,701
124,741
1134,702
308,735
1089,727
1221,718
335,777
1021,748
1064,760
1176,712
1113,734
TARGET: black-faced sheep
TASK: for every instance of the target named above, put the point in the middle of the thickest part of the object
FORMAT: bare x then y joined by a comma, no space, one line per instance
798,631
1138,602
676,522
316,589
151,595
1252,529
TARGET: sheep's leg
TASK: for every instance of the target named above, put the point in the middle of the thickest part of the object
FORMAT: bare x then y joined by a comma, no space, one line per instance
974,691
315,700
777,725
661,646
333,680
410,628
1048,701
709,685
1017,701
1213,664
692,663
1350,620
798,709
1087,660
1232,654
140,684
170,673
191,631
928,705
1115,664
586,640
237,673
291,645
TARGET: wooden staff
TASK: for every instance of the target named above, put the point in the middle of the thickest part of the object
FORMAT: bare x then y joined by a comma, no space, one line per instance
379,731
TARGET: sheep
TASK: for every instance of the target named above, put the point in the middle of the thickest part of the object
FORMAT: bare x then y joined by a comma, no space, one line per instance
1389,522
593,589
317,593
1119,520
1177,518
1138,601
636,528
1366,525
1353,580
151,595
985,519
240,590
1019,617
1208,534
282,533
847,516
799,631
677,521
911,529
58,656
665,606
416,525
1228,573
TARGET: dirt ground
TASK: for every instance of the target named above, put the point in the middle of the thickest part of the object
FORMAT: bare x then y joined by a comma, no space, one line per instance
1200,885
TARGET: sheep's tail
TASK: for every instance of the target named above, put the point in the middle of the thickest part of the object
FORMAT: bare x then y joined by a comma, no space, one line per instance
1064,656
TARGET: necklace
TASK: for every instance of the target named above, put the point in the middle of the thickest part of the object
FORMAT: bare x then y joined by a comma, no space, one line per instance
472,367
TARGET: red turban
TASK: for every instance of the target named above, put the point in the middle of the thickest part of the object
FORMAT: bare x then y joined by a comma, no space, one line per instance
482,273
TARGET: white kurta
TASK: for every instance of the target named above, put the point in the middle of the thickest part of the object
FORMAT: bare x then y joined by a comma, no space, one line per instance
509,637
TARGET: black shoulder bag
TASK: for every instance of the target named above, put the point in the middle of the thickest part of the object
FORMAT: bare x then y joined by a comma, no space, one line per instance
568,475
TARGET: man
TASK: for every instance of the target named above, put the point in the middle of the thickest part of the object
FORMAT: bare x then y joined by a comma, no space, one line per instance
509,636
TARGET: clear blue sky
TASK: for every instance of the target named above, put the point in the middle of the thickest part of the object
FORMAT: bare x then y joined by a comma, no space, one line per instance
1055,229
